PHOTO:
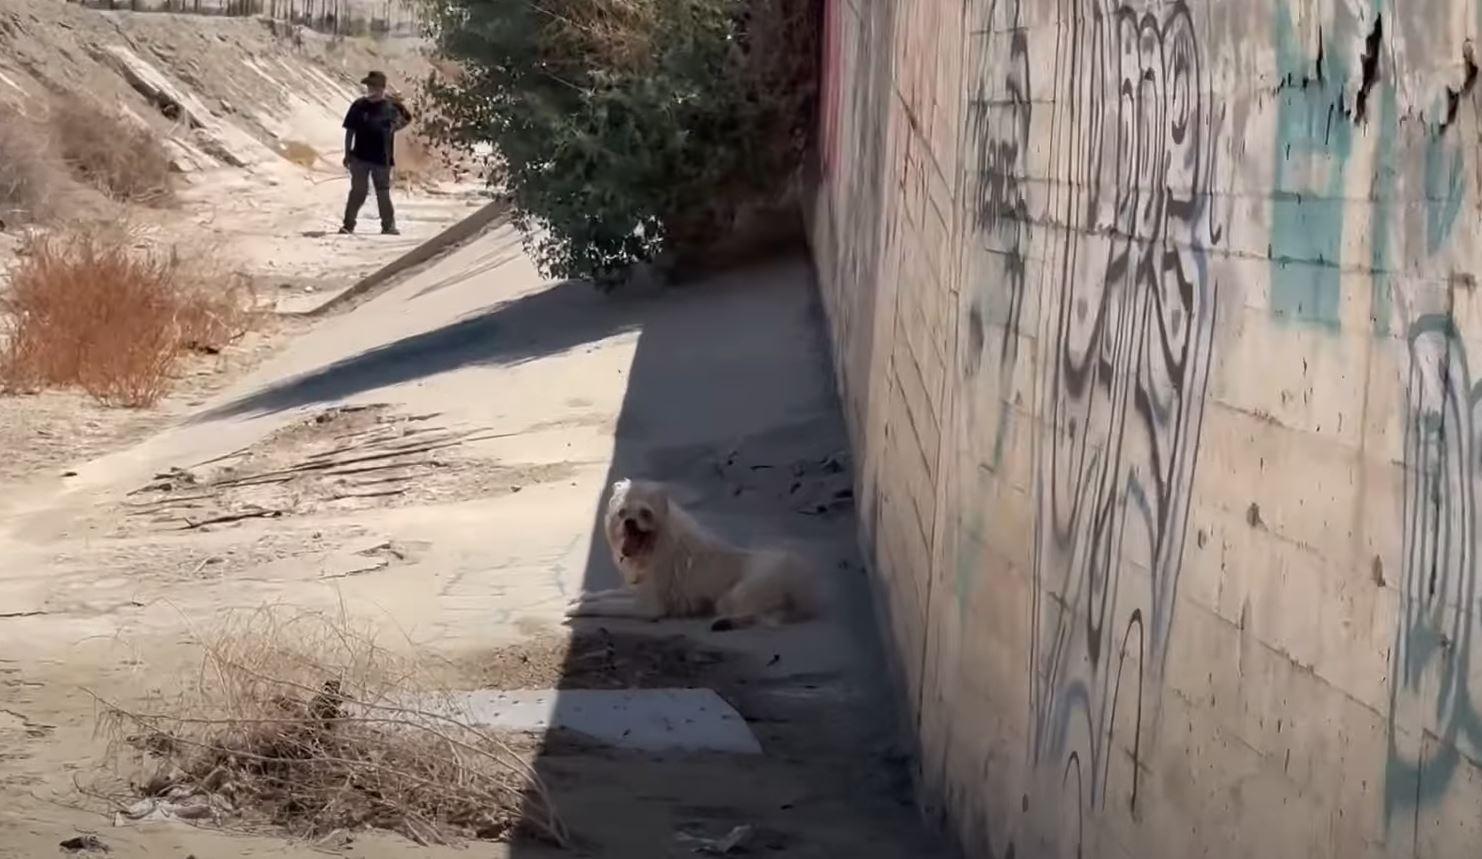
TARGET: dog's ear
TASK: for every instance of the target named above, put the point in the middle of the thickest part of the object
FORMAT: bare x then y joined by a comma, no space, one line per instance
660,501
619,492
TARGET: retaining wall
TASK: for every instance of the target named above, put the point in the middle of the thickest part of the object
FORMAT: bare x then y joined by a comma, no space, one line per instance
1154,325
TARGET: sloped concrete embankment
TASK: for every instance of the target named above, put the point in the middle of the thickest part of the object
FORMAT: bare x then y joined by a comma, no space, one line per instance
234,92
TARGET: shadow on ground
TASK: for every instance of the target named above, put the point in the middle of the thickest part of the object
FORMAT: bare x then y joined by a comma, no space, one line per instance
730,398
564,316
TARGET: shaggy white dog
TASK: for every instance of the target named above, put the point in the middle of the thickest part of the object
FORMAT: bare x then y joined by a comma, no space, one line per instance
674,567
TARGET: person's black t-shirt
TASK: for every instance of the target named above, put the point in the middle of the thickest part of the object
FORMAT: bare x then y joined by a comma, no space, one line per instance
374,124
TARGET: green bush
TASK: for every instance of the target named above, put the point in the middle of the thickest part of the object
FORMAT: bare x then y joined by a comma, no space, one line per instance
628,130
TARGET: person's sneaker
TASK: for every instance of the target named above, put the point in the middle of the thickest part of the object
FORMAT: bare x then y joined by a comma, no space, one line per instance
345,231
390,231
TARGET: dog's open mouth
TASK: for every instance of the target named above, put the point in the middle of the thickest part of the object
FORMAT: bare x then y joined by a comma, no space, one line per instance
636,541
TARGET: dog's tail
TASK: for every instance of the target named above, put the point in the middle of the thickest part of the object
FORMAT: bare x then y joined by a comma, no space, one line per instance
729,622
791,611
733,622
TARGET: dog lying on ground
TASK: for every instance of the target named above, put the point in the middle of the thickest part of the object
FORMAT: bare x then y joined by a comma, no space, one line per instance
675,568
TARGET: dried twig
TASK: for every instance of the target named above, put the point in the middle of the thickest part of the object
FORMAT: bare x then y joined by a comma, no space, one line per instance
231,517
307,724
383,493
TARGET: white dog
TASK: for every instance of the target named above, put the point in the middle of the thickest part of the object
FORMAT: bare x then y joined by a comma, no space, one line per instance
674,567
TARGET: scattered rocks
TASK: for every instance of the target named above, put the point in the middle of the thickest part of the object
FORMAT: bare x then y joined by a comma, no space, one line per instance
85,844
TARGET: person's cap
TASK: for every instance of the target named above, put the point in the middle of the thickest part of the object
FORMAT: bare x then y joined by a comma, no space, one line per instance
377,79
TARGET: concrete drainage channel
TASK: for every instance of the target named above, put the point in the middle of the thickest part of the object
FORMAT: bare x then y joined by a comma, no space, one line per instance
493,214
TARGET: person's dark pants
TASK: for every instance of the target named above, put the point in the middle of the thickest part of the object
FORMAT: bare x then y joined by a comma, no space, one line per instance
363,173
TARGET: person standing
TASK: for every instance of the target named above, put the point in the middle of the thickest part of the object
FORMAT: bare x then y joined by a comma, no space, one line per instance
370,150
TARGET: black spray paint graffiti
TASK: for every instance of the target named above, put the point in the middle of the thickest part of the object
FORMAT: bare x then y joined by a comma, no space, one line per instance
1431,663
1000,115
1127,319
999,118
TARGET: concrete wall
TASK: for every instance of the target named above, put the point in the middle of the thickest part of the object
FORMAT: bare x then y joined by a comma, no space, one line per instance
1154,326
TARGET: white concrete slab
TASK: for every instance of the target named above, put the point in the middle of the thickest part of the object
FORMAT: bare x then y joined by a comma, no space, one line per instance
651,720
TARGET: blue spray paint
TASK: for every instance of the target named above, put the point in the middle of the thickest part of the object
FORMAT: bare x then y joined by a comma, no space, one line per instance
1314,139
1443,191
1437,635
1383,191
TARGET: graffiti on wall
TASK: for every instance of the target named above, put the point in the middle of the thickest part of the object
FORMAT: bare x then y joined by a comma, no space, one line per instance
1315,117
1102,243
999,118
1434,719
1436,636
1435,643
1000,115
1127,320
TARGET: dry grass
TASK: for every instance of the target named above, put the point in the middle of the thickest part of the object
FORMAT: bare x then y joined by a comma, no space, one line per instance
32,176
422,160
617,35
302,722
419,163
299,153
87,309
103,148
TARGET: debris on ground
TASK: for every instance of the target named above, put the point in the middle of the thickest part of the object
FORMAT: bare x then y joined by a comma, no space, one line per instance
261,740
600,659
341,458
732,842
85,844
181,802
811,485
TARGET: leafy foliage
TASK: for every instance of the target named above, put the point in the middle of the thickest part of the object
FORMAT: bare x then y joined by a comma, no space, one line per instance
624,130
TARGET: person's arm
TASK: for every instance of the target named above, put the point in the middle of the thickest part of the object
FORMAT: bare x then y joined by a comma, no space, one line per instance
404,116
352,118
